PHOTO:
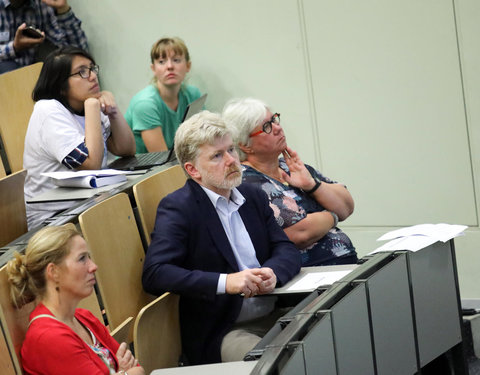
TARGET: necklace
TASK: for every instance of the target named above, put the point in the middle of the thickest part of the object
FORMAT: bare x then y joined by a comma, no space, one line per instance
278,176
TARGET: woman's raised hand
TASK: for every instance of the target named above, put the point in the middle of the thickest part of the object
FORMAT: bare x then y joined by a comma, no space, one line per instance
299,177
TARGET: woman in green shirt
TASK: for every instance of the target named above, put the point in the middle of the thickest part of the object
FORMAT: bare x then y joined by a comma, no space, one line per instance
155,112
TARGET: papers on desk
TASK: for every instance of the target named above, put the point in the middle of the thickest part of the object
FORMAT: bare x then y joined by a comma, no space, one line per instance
88,178
313,280
419,236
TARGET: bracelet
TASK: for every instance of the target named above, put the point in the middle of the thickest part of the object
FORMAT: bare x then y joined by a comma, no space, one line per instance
335,218
318,182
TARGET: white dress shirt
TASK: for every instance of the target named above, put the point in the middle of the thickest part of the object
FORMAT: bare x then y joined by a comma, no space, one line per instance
242,248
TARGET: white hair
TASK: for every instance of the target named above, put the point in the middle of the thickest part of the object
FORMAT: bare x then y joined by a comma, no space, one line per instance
243,115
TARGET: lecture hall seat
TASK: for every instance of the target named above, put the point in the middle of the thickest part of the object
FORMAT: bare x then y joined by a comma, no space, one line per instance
13,218
16,106
156,335
149,192
14,321
2,169
6,361
112,235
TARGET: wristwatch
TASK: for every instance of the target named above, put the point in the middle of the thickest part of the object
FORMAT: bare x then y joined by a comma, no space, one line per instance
318,182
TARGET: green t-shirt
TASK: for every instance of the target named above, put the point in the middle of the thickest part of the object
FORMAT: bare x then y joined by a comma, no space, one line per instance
147,111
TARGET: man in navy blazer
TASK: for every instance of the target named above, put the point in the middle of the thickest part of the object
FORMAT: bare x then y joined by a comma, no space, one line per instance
216,246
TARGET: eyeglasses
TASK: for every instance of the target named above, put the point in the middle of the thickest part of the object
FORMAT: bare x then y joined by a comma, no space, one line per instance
85,72
267,126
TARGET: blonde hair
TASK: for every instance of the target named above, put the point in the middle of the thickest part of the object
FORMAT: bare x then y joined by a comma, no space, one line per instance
162,46
202,128
26,273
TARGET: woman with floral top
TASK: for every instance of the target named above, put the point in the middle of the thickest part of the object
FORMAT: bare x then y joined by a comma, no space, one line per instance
307,205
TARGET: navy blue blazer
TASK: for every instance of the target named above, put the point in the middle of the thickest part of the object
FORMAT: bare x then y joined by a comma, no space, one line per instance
190,249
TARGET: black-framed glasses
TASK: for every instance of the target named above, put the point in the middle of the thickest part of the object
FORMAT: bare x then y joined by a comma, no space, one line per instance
85,72
267,126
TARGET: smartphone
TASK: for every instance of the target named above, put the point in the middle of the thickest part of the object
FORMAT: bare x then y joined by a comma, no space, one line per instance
32,32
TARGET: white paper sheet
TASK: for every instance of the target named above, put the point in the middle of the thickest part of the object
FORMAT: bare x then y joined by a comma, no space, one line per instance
315,279
90,172
443,232
413,243
417,237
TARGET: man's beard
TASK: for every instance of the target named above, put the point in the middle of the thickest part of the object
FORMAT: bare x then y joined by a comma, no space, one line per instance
231,183
227,183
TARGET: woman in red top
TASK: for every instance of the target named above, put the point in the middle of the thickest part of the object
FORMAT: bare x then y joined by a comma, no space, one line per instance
57,272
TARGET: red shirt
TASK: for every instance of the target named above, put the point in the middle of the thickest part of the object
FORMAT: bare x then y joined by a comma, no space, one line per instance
52,348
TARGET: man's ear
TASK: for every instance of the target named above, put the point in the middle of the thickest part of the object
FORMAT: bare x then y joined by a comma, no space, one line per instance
192,171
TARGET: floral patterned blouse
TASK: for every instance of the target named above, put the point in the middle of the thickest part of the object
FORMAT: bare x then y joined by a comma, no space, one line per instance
103,353
291,204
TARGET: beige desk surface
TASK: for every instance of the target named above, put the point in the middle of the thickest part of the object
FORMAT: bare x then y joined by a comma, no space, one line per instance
230,368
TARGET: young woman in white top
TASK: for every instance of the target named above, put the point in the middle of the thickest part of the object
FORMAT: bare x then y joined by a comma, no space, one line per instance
72,126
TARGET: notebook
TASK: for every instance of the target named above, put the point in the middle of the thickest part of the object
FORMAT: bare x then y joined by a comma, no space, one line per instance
87,178
152,159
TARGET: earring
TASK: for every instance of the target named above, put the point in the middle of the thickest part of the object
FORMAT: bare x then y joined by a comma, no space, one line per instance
57,288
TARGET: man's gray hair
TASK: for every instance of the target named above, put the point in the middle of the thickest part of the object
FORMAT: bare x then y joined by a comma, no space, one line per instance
203,128
243,115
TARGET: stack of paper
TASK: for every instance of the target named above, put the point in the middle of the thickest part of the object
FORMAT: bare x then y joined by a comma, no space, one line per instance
419,236
313,280
88,178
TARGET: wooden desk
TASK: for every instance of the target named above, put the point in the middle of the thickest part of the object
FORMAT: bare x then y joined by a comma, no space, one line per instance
78,206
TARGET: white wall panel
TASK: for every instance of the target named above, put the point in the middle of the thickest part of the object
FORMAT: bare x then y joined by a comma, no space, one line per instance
389,104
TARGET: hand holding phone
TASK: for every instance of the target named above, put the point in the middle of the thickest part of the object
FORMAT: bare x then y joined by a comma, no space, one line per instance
27,37
32,32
